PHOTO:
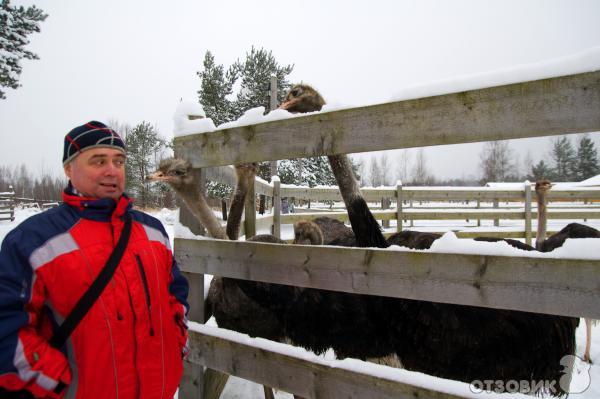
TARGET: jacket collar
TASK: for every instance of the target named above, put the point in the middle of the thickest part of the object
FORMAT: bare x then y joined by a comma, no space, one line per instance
100,209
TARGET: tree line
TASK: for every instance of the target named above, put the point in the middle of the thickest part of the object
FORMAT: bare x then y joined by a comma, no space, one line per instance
570,159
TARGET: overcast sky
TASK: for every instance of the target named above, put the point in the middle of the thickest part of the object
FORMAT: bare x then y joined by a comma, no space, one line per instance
133,60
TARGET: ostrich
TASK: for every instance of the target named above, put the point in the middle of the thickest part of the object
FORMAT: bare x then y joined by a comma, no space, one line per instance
308,233
303,98
334,232
572,230
227,299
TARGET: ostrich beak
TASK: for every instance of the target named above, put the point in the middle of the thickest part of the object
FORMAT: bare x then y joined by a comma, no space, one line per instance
157,176
289,104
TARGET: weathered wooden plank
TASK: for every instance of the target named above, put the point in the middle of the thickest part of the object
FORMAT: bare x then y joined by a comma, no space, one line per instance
276,208
297,375
542,285
527,214
561,105
250,213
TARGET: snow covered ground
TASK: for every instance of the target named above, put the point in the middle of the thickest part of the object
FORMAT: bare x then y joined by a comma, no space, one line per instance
238,388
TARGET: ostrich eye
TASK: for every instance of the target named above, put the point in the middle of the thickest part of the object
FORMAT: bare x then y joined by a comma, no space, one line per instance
179,173
295,92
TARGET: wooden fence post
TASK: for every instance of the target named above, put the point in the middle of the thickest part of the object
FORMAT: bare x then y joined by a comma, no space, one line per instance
496,205
527,212
478,206
385,204
399,206
276,206
273,105
192,381
13,204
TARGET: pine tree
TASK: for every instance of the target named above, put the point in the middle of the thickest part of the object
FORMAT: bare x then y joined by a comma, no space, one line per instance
564,159
541,171
255,73
144,150
16,23
586,164
215,87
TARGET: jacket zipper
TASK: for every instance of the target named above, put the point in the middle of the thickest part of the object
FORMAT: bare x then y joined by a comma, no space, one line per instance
146,290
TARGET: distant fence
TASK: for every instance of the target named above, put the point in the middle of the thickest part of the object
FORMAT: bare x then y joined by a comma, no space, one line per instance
36,203
7,206
485,203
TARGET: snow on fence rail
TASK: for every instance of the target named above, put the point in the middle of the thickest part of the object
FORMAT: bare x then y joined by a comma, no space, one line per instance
562,105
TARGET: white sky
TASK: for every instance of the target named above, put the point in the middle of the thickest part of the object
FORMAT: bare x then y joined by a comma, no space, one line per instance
134,60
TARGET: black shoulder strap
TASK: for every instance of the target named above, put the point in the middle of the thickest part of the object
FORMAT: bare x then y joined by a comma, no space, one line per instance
89,297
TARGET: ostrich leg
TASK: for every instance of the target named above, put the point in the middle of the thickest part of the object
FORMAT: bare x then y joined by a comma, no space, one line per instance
588,340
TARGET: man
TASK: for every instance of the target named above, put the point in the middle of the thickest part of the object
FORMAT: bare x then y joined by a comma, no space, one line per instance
130,343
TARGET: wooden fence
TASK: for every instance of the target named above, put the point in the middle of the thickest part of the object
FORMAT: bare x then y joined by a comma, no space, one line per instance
7,206
571,287
490,204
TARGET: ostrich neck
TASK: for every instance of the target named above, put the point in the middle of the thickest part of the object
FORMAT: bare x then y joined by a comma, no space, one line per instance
366,229
197,204
342,170
542,220
244,179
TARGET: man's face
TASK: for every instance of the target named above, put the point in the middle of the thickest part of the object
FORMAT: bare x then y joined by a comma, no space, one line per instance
98,173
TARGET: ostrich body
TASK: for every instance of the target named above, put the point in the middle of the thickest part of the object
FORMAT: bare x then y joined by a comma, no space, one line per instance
413,239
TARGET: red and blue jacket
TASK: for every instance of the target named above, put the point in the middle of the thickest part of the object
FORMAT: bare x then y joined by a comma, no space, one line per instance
129,345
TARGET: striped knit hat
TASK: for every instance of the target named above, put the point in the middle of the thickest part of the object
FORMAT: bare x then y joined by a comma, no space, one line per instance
91,135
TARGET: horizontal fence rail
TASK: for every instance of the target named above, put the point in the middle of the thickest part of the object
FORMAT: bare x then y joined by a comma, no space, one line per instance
410,193
297,375
567,104
567,287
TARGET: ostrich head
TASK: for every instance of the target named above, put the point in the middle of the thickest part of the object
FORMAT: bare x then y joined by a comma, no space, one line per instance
302,98
542,186
307,233
176,172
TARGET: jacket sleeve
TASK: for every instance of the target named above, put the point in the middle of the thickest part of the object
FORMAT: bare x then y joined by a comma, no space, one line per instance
179,291
27,361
